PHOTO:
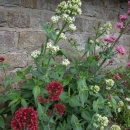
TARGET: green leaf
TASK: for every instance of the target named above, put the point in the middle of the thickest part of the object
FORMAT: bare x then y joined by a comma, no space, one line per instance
98,104
74,101
52,35
82,84
64,97
83,97
24,103
13,95
86,115
7,81
16,78
74,119
13,101
45,26
36,92
2,110
61,52
3,65
89,47
26,71
2,123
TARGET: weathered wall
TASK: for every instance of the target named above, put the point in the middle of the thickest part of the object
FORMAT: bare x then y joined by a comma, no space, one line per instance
21,32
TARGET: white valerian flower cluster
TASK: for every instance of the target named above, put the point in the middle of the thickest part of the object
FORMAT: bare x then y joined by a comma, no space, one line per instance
115,127
69,10
72,27
68,19
52,48
55,19
35,53
120,105
128,107
127,99
71,7
109,83
109,104
107,27
62,35
65,62
101,122
95,89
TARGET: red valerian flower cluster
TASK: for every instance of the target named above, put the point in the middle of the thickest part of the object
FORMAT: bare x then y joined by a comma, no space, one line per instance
41,99
25,118
54,90
2,59
59,108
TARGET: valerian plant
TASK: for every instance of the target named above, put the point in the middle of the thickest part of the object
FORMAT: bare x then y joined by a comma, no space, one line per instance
75,93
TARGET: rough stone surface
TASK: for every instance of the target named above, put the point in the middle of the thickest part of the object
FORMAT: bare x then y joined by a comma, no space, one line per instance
31,40
16,19
29,3
15,60
3,18
10,2
7,41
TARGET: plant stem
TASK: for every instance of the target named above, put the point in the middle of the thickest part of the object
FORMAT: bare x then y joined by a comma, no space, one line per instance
57,38
82,56
48,63
112,47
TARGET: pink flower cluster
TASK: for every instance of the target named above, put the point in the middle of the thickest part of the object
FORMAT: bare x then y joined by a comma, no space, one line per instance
117,77
111,62
128,64
110,39
25,118
123,17
2,59
41,99
59,108
120,49
54,90
120,25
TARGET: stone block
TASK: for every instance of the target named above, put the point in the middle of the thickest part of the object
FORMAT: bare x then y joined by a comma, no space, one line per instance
3,18
48,4
93,11
31,40
111,14
10,2
86,24
7,41
15,60
94,2
112,4
29,3
38,17
17,19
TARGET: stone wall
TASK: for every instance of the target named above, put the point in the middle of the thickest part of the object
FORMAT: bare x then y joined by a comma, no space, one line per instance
21,31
